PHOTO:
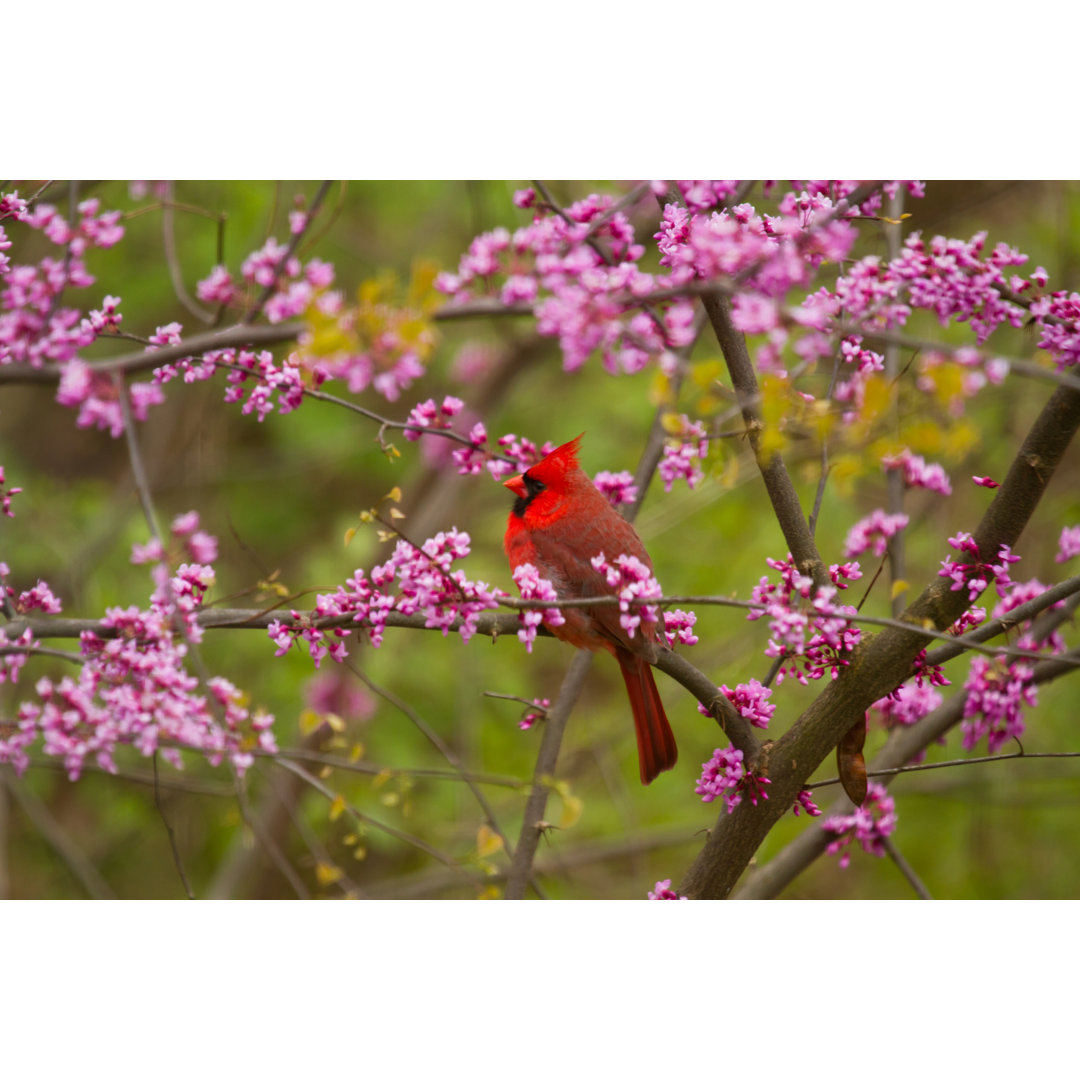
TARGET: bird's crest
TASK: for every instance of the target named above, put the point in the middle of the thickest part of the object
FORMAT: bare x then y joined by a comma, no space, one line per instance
563,458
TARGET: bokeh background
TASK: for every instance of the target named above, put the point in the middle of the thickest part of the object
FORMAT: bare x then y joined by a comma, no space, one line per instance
282,495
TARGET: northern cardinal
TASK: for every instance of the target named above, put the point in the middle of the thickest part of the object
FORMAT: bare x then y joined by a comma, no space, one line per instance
558,523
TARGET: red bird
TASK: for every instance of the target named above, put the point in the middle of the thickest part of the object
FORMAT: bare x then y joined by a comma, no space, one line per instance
558,523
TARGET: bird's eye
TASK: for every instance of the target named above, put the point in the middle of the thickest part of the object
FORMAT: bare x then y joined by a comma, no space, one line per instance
534,486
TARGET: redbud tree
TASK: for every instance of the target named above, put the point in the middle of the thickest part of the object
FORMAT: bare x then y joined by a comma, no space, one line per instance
259,637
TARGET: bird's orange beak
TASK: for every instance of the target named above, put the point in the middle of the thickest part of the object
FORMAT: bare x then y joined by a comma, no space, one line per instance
517,485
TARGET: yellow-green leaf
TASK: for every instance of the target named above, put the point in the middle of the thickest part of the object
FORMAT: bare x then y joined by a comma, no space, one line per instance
488,841
327,873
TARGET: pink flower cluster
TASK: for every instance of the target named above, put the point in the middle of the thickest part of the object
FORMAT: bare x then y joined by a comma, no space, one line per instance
6,494
868,825
1068,543
664,891
36,327
631,580
531,716
426,584
579,270
997,689
808,631
97,396
679,627
907,704
40,598
751,700
1058,315
429,415
804,803
976,575
917,473
873,533
534,587
996,695
683,454
478,456
12,663
952,278
724,776
618,488
295,285
133,687
253,379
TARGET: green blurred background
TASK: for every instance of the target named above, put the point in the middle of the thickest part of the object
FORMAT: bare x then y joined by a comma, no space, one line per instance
281,495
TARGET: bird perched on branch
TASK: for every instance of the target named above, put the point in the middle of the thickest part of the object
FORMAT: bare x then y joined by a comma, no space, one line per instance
559,523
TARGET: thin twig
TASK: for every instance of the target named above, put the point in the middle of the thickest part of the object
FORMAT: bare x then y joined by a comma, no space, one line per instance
176,275
366,819
269,845
904,867
951,764
294,243
169,829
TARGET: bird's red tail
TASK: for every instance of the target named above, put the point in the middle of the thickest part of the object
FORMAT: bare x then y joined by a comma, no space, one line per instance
657,751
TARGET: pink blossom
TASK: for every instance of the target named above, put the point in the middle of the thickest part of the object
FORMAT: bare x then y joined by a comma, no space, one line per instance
167,335
1068,543
683,454
133,689
917,473
996,695
618,488
217,288
811,634
752,701
534,587
907,704
872,533
804,802
40,597
10,665
631,580
869,825
679,627
531,716
664,891
976,575
6,495
428,415
725,776
985,481
426,583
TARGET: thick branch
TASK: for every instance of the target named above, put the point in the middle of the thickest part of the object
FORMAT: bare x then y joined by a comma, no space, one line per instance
774,473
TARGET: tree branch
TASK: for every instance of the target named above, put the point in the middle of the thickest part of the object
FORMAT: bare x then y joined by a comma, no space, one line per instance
554,726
